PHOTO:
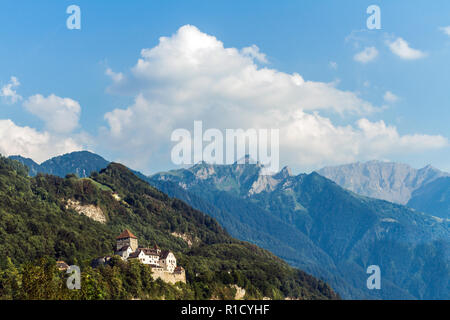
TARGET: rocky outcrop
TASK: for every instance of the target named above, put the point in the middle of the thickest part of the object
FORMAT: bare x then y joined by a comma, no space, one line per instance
91,211
268,183
186,237
240,292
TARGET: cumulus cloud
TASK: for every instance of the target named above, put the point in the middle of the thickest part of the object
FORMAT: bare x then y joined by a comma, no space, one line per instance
254,53
60,115
115,76
367,55
390,97
192,76
30,143
8,91
401,48
319,142
193,67
445,30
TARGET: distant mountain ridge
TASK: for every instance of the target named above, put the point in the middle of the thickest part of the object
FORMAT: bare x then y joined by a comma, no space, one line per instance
394,182
81,163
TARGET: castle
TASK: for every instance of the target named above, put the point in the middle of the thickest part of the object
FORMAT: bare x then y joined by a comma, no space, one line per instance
163,263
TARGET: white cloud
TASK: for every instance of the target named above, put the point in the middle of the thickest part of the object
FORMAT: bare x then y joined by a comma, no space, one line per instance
367,55
390,97
402,49
314,141
381,139
30,143
192,66
445,30
8,91
254,53
192,76
60,115
116,77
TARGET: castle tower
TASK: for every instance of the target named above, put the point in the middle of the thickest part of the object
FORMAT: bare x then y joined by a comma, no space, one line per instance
126,238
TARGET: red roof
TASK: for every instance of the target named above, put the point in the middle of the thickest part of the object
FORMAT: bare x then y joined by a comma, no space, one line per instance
126,234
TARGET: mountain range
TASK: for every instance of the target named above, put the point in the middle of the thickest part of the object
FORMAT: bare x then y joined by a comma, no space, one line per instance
49,217
321,227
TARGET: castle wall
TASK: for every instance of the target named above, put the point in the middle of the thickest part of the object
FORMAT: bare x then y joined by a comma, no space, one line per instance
133,244
169,277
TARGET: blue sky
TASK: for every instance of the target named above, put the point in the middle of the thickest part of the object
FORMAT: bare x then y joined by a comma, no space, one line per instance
316,39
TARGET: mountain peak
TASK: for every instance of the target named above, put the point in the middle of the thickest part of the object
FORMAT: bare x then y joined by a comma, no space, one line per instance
286,171
430,167
81,163
283,173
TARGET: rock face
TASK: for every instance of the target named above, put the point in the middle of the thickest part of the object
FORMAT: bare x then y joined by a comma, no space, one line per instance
186,237
240,292
90,211
394,182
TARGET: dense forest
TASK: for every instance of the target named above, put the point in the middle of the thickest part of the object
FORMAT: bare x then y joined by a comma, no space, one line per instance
37,228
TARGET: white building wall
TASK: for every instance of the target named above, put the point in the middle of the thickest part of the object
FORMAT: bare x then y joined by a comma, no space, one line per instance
169,263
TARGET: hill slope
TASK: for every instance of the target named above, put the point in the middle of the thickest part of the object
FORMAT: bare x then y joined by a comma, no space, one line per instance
433,198
35,222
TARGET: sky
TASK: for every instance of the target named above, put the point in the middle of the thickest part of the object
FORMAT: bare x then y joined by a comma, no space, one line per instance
337,91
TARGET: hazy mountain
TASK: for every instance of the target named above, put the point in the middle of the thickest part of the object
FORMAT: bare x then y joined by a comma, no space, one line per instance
433,198
81,163
33,167
329,231
389,181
